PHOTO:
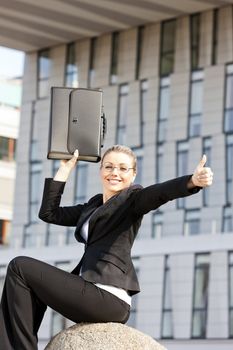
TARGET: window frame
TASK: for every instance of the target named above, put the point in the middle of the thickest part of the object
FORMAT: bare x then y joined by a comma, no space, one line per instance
205,308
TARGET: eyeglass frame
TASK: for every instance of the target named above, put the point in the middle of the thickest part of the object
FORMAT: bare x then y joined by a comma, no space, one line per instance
116,167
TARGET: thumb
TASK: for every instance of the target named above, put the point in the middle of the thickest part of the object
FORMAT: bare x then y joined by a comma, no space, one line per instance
202,161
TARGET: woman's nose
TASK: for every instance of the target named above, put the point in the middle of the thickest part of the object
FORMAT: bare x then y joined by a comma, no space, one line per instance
115,170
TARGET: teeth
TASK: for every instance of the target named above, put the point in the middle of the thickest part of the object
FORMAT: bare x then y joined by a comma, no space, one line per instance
114,181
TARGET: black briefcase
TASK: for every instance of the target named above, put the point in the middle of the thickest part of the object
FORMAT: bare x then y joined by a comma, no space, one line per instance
77,121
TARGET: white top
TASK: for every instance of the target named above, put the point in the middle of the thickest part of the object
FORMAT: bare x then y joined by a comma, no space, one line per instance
118,292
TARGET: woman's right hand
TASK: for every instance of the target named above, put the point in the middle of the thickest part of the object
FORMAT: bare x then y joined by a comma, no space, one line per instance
66,166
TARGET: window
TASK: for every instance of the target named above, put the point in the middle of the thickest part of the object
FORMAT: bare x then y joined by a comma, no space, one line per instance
140,38
192,222
35,190
159,166
215,36
228,219
71,74
182,166
138,179
114,60
132,321
196,104
56,166
4,231
30,239
164,105
167,51
58,323
200,298
91,73
44,67
228,111
167,322
81,184
2,277
230,259
122,114
70,239
207,145
195,40
143,106
229,169
7,148
157,224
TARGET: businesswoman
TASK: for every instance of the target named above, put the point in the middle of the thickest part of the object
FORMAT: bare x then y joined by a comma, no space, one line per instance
99,289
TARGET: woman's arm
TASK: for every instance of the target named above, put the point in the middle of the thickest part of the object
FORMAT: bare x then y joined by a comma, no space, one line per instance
50,210
66,167
152,197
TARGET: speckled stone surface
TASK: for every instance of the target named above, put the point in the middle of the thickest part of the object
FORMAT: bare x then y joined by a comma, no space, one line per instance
102,336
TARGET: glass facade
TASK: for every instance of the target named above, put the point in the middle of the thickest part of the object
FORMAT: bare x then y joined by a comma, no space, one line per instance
138,179
35,190
114,60
4,231
207,150
81,183
229,170
157,224
91,73
122,114
230,273
164,109
71,73
143,108
228,112
167,321
44,71
167,50
7,148
192,222
196,103
140,40
200,297
195,40
160,161
182,166
227,219
215,36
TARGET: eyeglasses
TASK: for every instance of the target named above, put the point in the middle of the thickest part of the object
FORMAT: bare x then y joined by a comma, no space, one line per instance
109,168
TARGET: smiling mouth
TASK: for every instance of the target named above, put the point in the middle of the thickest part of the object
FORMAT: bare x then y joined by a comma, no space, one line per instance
114,180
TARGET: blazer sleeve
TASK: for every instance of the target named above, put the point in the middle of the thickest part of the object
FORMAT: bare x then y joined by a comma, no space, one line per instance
152,197
50,210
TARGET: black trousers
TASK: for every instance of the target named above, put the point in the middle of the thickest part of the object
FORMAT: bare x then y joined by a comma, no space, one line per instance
32,285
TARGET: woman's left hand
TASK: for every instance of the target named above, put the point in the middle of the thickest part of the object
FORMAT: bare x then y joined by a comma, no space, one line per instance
202,176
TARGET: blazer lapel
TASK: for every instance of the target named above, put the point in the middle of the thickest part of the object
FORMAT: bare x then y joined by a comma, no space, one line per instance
104,213
84,216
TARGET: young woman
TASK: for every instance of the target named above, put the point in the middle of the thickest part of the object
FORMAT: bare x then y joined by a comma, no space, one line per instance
99,289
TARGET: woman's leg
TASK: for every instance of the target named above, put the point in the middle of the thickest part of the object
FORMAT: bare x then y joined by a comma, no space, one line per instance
31,285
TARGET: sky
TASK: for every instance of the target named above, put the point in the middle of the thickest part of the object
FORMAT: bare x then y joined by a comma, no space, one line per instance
11,62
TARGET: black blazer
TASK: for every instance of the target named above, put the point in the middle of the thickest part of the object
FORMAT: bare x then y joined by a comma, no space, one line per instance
112,228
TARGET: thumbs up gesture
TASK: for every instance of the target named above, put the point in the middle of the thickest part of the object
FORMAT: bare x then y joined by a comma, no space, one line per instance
202,176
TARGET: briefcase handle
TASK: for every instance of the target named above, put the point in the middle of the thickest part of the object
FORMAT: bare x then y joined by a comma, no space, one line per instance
103,128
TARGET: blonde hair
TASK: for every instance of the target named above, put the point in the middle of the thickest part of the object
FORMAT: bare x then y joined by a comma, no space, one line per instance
121,149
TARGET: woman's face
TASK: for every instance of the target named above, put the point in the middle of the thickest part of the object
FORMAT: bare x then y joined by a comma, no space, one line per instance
116,172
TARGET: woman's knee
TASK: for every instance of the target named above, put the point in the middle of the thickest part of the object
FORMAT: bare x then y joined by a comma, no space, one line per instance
16,263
